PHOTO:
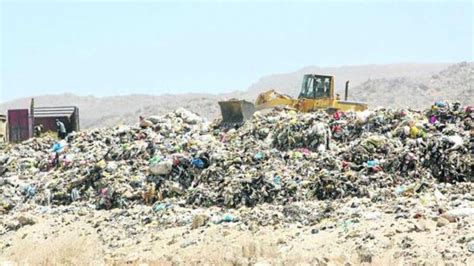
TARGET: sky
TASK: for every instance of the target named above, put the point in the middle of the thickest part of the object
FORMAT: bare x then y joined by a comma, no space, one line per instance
115,48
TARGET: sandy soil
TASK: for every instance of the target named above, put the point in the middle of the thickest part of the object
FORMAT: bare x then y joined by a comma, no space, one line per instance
381,241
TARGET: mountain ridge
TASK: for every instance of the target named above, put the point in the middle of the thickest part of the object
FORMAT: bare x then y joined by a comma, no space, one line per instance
371,83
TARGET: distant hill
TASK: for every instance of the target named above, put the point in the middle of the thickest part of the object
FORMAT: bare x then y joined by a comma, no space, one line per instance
454,83
290,83
113,110
394,85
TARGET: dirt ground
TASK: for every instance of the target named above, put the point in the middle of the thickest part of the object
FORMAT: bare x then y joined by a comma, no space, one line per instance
381,241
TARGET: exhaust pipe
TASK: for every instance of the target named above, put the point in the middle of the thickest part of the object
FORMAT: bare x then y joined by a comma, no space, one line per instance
346,94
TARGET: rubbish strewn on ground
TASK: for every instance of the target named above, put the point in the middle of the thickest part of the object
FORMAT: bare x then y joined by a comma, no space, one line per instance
279,167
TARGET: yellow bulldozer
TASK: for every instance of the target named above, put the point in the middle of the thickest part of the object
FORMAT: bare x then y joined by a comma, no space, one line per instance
317,92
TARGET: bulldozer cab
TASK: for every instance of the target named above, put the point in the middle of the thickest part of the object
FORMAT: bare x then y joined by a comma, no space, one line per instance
317,87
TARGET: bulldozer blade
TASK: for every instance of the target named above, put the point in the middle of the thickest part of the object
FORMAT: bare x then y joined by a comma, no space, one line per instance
236,111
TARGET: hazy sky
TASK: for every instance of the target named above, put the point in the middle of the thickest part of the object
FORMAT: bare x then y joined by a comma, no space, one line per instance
106,48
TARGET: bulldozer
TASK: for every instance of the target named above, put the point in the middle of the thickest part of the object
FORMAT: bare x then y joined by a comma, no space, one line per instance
317,92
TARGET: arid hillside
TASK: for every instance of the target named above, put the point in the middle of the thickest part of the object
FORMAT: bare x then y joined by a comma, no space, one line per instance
393,85
454,83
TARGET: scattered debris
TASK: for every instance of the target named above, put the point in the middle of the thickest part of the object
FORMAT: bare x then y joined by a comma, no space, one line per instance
320,170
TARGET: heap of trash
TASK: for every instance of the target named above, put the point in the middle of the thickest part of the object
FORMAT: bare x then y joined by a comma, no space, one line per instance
277,157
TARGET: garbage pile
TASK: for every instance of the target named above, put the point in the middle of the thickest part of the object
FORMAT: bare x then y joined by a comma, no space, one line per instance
278,157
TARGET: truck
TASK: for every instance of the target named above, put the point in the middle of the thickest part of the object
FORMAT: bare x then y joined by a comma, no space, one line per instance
21,122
